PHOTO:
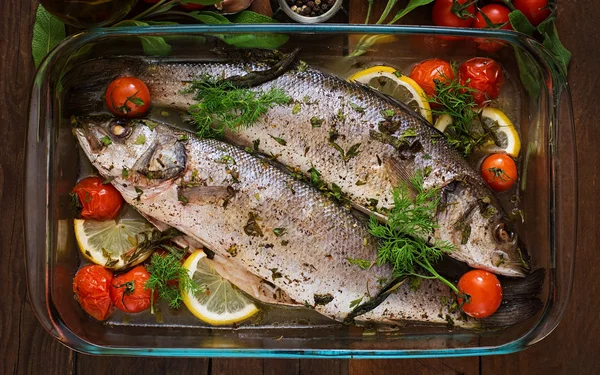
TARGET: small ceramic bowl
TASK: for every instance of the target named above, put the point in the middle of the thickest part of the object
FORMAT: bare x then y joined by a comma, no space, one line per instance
307,19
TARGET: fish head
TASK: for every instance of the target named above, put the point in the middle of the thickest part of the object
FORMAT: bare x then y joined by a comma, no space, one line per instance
474,221
132,153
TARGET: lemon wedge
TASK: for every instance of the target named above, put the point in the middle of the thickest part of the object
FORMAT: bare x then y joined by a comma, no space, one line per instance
221,303
504,131
113,243
389,81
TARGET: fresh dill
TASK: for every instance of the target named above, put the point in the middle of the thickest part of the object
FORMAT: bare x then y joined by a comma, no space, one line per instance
456,100
222,106
403,239
163,270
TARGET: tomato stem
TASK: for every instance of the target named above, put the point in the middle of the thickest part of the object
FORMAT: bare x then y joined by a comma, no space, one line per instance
460,10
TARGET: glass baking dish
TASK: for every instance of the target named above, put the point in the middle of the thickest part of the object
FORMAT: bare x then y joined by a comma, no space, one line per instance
548,192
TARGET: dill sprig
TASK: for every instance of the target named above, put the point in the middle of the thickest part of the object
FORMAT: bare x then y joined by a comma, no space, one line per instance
404,241
164,270
456,100
221,105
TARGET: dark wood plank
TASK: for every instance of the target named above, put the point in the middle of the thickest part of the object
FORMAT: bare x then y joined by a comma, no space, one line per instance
281,366
573,347
25,346
92,365
237,366
437,366
324,366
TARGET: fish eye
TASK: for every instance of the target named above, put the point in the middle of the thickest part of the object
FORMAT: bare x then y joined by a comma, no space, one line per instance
120,128
504,233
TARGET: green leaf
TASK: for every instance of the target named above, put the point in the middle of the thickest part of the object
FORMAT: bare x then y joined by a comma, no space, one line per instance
267,41
106,140
153,45
527,73
247,16
553,44
48,31
281,141
520,23
412,5
209,18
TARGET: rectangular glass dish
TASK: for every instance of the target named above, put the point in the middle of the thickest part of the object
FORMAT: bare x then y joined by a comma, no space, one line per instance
547,190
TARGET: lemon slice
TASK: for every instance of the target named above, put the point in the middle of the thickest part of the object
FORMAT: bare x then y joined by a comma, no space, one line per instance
222,303
389,81
504,131
112,243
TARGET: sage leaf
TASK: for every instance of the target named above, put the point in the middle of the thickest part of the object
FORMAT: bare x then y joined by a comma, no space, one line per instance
48,31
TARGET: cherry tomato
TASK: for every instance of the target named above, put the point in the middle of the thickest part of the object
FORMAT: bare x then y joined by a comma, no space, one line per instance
499,171
128,291
98,201
128,97
536,11
453,13
191,6
483,75
425,72
91,287
497,18
484,291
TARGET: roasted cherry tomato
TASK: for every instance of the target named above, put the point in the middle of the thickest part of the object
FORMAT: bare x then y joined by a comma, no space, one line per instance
128,291
484,293
425,72
483,75
536,11
99,201
499,171
453,13
493,16
91,286
128,97
191,6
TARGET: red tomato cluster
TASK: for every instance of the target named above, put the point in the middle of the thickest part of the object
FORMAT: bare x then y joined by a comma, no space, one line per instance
98,291
483,75
463,13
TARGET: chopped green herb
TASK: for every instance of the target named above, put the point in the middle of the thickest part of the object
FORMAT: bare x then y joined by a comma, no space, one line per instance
275,274
124,173
363,264
255,144
415,283
322,299
108,180
357,108
281,141
233,251
316,122
106,140
139,193
252,228
140,140
388,113
408,133
151,124
356,302
183,199
427,171
296,109
279,231
352,152
226,159
427,157
165,114
340,115
302,66
398,74
360,182
183,138
137,101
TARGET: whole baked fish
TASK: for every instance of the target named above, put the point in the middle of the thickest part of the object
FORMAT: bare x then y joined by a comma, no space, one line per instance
263,224
360,140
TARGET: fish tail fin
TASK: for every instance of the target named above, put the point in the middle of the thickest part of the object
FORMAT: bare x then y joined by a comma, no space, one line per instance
85,84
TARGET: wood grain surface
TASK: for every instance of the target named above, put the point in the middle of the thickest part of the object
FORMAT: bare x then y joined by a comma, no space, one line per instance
573,348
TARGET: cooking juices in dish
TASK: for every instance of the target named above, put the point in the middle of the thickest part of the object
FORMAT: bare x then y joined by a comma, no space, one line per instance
333,194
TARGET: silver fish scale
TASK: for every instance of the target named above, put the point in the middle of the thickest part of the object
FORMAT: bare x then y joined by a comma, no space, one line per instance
319,235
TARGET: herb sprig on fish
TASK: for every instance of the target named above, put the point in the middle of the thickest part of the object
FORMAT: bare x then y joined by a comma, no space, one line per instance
402,240
222,106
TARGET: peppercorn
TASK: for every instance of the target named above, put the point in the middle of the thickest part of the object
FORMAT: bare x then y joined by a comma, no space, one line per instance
310,8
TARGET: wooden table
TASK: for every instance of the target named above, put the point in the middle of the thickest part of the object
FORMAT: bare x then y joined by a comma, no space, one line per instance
26,348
